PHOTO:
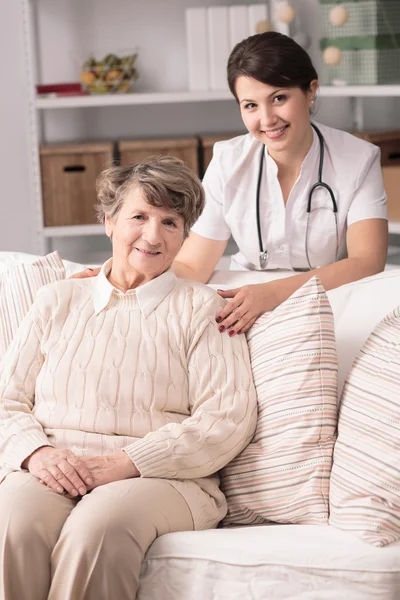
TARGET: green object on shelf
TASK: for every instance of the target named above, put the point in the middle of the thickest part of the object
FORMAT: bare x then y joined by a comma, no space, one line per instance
369,41
366,17
355,2
365,67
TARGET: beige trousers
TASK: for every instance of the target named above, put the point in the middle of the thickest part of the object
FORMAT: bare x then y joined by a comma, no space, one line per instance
92,549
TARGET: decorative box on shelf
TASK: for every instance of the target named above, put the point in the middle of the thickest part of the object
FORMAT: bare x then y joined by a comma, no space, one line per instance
389,144
207,145
69,173
132,152
368,42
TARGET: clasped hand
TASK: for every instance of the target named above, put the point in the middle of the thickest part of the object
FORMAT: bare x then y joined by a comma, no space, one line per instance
247,304
64,472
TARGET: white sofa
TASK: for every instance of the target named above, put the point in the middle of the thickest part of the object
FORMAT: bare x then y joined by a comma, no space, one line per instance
288,562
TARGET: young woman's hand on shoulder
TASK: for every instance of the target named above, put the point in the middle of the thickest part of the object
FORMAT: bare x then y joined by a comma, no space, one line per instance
246,305
89,272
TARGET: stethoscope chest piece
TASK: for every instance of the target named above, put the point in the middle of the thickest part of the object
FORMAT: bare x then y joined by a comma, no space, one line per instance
263,259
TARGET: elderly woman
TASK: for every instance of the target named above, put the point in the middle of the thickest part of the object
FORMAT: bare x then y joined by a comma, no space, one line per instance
119,402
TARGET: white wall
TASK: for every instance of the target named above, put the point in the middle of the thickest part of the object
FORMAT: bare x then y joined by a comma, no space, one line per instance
68,32
17,214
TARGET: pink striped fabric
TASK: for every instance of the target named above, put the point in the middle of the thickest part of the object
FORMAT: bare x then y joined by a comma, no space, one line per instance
18,287
283,474
365,484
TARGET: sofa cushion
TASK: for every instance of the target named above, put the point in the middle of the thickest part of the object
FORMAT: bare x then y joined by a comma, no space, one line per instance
11,259
283,474
358,307
296,562
18,287
365,484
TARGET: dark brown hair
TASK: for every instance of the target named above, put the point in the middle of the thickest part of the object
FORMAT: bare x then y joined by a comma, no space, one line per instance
271,58
166,182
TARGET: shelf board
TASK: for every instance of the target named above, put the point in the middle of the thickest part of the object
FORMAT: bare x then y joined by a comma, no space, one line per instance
360,91
73,231
43,103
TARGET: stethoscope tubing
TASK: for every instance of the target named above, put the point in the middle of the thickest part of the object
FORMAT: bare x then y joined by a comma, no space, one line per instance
319,184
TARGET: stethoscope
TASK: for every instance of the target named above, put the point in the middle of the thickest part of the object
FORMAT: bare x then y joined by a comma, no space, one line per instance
319,184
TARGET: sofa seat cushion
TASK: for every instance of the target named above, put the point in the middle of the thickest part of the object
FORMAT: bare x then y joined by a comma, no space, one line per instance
291,562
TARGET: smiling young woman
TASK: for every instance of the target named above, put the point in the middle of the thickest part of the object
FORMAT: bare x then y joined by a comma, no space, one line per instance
258,188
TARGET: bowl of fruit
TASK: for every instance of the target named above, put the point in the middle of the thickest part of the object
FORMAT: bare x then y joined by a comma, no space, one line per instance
113,74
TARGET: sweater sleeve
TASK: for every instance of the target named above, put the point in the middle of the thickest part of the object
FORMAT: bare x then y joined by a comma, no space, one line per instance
20,432
223,408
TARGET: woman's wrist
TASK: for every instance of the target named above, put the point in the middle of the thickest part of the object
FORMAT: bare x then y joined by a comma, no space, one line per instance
271,296
25,463
128,465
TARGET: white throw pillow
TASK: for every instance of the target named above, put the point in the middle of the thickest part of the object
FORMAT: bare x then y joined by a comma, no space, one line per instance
11,259
18,288
357,308
365,481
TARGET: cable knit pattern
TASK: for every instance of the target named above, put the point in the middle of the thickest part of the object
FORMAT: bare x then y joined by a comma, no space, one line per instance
95,370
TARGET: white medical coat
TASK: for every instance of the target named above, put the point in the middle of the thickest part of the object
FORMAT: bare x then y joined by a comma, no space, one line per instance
351,168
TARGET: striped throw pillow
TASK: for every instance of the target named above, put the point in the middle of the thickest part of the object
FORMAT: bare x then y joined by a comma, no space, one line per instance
365,483
18,287
283,474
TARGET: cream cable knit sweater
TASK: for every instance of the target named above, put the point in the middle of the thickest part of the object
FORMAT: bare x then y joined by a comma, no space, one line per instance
95,371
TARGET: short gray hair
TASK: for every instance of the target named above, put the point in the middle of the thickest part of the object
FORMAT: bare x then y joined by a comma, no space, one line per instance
165,181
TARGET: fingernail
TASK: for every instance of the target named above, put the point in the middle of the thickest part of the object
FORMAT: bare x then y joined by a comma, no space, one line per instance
240,331
220,290
221,329
231,333
82,491
74,493
218,319
60,490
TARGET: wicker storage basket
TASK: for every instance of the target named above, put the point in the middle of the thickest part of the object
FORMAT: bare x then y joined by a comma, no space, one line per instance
389,144
132,152
69,173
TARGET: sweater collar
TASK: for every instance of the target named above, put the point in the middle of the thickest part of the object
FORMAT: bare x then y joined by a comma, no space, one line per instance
149,295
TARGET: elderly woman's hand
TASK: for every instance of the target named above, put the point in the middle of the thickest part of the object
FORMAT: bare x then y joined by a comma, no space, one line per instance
60,470
114,467
247,304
